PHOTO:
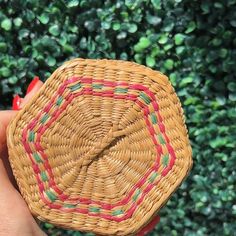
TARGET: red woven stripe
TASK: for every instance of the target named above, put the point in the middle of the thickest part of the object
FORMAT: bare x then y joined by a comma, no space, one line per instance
55,115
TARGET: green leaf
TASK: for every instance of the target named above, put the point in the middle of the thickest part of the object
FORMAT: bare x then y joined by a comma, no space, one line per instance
3,47
232,97
68,48
169,64
105,25
156,4
163,39
232,86
179,38
233,23
90,26
150,61
44,18
138,58
54,30
205,6
23,33
48,226
116,26
186,81
168,24
142,44
191,27
155,51
5,72
180,49
51,61
6,24
132,28
123,56
153,20
132,4
173,78
168,47
13,80
218,142
17,21
216,42
221,100
218,5
73,3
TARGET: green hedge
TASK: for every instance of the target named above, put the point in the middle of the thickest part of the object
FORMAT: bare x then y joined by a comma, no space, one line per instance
191,41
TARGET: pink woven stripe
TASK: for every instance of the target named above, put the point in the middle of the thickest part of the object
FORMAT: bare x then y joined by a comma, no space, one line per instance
56,114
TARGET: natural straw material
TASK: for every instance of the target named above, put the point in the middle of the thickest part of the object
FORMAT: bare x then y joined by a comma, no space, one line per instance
101,147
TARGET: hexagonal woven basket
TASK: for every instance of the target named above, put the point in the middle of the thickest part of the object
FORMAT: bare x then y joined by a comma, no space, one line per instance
101,147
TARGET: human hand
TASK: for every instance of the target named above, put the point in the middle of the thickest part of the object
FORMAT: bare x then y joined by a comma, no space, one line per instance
15,217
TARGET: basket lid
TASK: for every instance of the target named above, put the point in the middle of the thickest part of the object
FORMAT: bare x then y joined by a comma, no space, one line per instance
101,147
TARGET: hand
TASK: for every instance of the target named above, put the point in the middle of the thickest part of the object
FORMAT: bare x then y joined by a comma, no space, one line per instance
15,217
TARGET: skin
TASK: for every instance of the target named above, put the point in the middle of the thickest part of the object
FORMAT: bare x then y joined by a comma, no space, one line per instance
15,217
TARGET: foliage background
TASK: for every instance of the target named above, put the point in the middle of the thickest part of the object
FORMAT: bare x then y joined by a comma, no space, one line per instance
191,41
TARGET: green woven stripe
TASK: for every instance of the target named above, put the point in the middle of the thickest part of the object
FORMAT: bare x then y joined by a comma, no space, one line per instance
75,87
137,193
44,176
165,160
117,212
161,139
69,206
51,195
145,98
44,118
94,209
31,136
121,90
37,157
59,101
97,86
154,118
153,177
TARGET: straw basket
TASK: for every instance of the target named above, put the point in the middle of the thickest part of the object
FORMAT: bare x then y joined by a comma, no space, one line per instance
101,147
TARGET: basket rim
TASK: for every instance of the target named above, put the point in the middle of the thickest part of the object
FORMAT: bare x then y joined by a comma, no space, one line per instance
102,63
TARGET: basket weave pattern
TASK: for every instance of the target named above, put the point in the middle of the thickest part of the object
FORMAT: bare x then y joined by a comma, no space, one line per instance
101,147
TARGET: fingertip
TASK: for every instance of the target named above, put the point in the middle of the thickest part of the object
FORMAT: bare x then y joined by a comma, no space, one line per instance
32,92
16,102
32,84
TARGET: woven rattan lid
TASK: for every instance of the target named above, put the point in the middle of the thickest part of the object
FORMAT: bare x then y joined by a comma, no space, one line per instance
101,147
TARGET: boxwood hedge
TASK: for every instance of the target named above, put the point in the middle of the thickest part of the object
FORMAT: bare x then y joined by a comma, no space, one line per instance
191,41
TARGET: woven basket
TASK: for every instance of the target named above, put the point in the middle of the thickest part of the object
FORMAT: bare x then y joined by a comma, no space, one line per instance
101,147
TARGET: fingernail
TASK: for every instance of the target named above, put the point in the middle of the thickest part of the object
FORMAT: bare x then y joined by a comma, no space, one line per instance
16,103
32,84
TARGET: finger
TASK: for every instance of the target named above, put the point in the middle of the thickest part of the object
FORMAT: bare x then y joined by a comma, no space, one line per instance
6,176
29,96
5,118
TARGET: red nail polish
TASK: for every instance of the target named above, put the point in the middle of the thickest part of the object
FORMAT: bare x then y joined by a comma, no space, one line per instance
32,84
149,227
16,103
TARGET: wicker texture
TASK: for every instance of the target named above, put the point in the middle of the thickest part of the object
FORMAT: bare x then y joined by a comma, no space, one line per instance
101,147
